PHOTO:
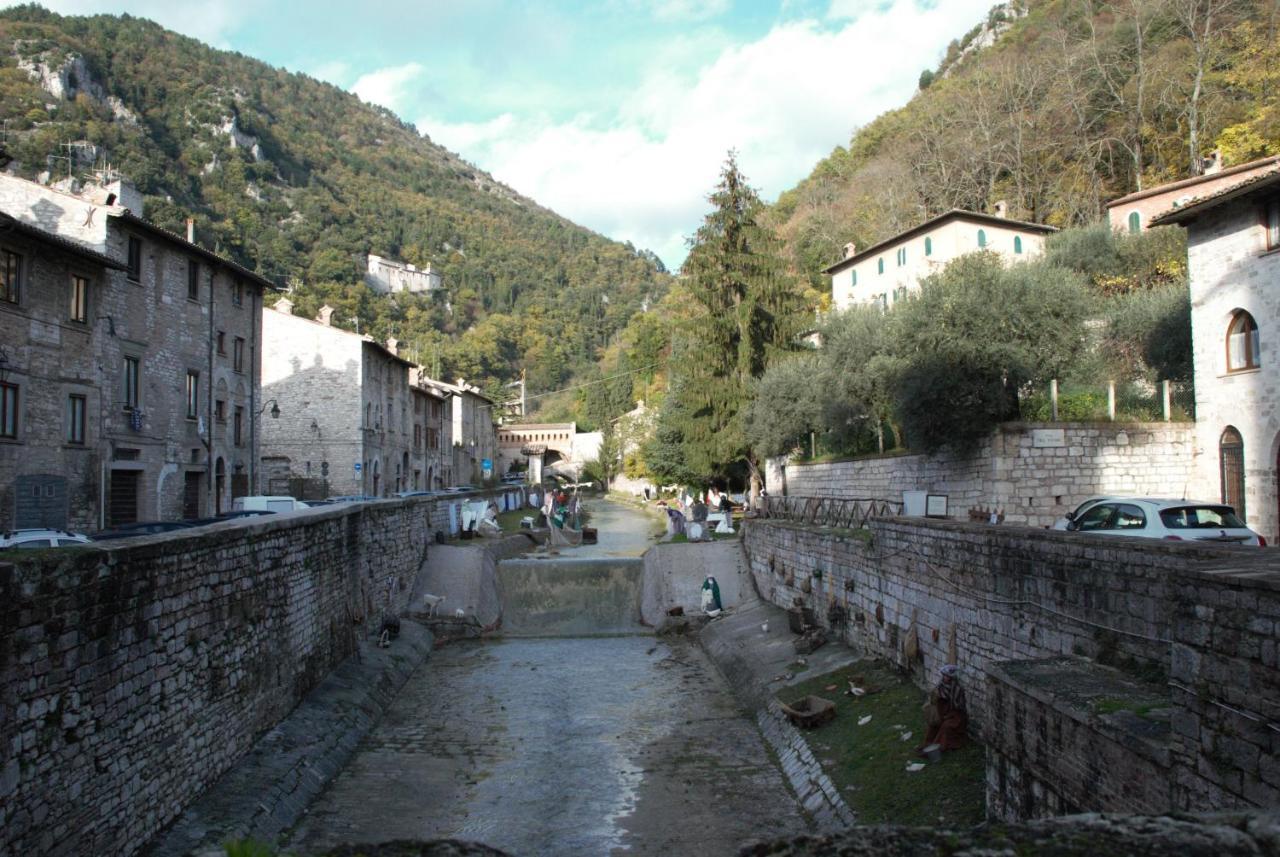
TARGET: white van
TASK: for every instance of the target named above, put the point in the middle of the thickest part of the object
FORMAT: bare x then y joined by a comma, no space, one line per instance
266,504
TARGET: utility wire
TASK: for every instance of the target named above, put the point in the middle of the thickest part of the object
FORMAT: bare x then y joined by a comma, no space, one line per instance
597,381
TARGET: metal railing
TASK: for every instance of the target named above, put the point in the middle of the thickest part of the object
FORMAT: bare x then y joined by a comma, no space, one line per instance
845,513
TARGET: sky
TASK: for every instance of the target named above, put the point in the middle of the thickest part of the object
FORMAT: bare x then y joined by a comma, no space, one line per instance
617,114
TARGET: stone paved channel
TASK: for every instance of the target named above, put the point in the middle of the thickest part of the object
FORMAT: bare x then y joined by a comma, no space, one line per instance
561,746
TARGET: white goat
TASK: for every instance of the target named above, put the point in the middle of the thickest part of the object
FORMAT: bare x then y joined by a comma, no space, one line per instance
432,602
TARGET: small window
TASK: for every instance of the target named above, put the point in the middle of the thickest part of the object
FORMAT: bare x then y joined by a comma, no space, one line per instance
10,276
237,426
222,342
1243,344
928,246
1017,244
193,280
237,358
982,238
76,419
132,377
9,411
880,264
79,299
1135,223
237,292
134,269
193,394
220,410
1273,224
855,277
902,256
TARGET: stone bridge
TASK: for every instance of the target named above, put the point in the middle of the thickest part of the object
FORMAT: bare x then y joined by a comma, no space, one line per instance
557,447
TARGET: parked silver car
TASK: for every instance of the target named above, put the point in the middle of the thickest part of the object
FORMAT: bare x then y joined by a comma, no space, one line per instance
1155,518
34,538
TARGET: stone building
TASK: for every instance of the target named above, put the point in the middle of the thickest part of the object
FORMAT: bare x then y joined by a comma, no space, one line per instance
1233,263
171,351
1134,213
387,276
887,272
473,432
344,426
431,437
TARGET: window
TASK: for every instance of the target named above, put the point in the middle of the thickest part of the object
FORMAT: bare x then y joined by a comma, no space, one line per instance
1097,518
79,299
222,342
928,246
237,358
1231,468
855,277
193,280
193,394
75,419
220,410
1017,243
902,256
880,264
10,276
1129,518
982,238
1243,345
1273,224
134,269
1135,223
9,410
131,379
237,426
237,292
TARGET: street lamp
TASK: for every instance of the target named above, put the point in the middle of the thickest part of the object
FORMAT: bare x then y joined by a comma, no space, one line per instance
275,408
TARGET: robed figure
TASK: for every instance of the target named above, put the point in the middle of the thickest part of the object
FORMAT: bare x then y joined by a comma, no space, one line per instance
711,596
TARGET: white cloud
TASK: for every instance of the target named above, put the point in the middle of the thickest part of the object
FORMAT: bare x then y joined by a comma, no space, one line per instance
389,87
783,101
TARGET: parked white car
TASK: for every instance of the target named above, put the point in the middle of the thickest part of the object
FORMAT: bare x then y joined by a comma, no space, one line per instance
1154,518
263,503
1064,523
31,539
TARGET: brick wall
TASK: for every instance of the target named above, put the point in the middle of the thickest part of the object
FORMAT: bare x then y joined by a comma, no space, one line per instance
136,673
1206,616
1035,472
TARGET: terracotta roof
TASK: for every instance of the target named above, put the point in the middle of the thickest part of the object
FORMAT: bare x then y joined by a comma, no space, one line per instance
8,223
1193,208
1194,180
126,216
953,214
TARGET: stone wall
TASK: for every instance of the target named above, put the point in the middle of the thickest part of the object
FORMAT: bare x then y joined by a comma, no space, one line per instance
1034,472
135,673
976,595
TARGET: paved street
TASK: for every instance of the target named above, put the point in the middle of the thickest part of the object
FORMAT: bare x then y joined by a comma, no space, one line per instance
561,746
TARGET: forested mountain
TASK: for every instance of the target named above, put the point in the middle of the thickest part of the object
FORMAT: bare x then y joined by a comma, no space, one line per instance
298,179
1054,106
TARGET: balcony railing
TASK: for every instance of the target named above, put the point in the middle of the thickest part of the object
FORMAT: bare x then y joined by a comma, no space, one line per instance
844,513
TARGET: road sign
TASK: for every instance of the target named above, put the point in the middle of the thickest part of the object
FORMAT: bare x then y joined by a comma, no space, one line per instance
357,467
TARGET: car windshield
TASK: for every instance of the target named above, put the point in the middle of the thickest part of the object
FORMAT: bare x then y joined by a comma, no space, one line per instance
1201,517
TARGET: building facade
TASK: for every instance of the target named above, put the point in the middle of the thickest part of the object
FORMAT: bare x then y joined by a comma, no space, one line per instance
345,424
473,433
1233,262
431,432
386,276
1133,213
889,271
174,341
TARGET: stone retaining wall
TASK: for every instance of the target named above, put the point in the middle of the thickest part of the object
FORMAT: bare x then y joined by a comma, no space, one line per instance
978,594
134,673
1034,472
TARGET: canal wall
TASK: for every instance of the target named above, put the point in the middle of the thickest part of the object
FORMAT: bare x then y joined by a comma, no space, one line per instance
571,597
134,673
1034,472
1200,621
674,574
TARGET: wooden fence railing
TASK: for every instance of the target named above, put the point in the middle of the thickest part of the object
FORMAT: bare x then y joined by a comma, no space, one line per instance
846,513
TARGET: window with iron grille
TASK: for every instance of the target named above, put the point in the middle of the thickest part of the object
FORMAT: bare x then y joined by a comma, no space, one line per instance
193,394
132,377
237,356
76,419
79,299
10,276
9,410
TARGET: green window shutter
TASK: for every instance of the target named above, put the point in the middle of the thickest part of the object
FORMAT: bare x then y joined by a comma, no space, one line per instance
982,238
928,246
855,277
1135,223
880,265
1017,243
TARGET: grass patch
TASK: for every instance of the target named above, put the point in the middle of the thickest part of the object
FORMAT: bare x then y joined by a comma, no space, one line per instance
1116,704
868,763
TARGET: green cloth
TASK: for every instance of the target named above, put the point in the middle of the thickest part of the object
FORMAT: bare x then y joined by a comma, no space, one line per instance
710,584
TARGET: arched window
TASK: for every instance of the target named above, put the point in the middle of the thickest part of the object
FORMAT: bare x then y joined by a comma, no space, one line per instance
982,238
1231,465
1017,243
928,246
1243,343
1135,223
880,265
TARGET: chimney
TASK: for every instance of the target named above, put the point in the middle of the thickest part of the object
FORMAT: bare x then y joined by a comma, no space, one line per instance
126,195
393,345
283,305
1213,163
325,316
1002,208
850,249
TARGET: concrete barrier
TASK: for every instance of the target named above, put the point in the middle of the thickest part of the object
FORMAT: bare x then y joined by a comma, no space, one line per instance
673,576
